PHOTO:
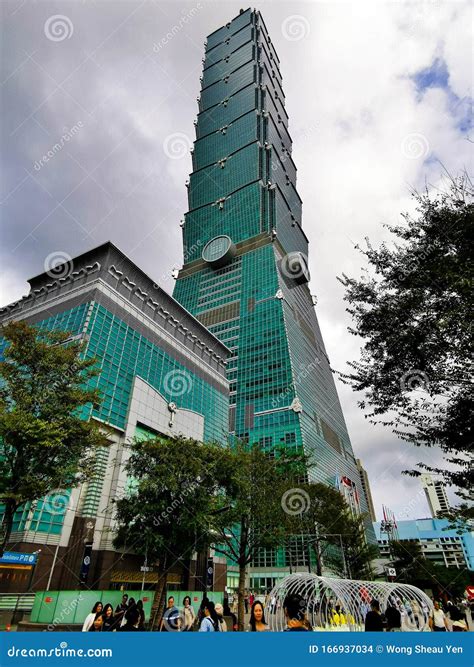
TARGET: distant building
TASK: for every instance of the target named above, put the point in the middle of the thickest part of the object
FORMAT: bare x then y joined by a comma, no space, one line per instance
444,547
364,480
436,496
161,372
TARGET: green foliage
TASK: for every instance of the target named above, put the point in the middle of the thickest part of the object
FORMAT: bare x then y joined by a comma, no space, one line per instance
176,487
44,444
255,483
413,568
329,519
413,311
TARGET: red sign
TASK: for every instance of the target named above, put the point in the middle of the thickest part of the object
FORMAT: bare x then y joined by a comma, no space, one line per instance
47,600
145,599
470,592
195,599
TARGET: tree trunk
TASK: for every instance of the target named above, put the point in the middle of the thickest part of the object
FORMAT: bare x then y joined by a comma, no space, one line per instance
7,523
158,604
241,606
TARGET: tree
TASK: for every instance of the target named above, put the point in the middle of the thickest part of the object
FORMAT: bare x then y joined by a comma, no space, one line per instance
413,568
413,314
166,513
45,445
336,536
261,494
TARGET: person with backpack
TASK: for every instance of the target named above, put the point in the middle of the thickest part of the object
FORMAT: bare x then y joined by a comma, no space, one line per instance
210,621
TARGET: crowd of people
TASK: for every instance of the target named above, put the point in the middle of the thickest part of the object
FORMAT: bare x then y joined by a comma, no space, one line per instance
409,615
129,615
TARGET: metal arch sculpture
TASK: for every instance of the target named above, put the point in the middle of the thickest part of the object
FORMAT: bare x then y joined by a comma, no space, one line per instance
342,604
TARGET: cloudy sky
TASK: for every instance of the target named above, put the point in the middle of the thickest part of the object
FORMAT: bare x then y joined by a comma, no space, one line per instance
379,99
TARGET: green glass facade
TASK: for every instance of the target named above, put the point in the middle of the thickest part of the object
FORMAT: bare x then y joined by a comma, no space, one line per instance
122,353
256,299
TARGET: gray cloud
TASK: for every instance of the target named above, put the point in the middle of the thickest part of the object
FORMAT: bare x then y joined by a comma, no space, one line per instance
126,75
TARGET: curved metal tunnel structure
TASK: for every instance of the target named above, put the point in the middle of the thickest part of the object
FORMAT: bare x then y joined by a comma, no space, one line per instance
341,604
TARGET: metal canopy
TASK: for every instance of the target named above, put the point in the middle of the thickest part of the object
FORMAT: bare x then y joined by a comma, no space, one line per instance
342,604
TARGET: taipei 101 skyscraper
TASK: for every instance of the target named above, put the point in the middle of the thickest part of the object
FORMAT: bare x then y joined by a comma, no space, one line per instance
245,275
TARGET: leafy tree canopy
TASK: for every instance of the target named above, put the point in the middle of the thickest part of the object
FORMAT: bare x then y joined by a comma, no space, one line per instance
45,445
412,308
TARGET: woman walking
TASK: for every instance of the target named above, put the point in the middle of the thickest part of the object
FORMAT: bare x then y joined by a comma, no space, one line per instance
188,615
141,612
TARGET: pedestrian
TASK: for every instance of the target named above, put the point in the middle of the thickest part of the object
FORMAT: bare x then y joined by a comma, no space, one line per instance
294,607
246,603
394,618
373,620
257,618
133,619
458,619
188,616
141,613
235,603
338,617
109,621
170,621
200,614
97,625
120,610
131,605
229,612
220,615
90,618
438,621
251,599
273,605
295,610
416,613
210,621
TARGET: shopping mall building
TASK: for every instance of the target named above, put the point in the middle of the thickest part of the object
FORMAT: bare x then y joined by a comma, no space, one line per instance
161,372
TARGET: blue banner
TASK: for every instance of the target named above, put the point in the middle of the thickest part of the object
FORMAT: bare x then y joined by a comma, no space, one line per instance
238,649
16,558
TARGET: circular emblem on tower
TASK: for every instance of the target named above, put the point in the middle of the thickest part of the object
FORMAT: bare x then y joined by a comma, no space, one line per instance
219,251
